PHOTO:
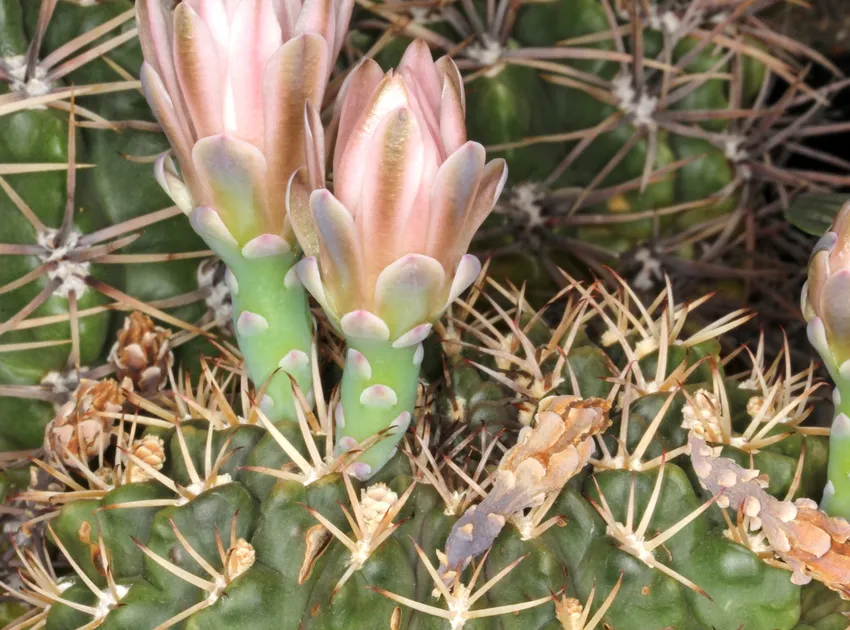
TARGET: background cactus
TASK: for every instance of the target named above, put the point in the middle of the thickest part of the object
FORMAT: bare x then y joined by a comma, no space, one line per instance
85,224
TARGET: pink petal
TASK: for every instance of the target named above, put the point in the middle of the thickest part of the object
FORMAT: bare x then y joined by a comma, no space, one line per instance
452,196
233,176
255,37
317,16
452,120
216,17
354,97
343,9
427,118
156,35
449,72
163,108
340,255
350,173
199,70
492,182
300,214
314,145
390,186
287,14
417,66
415,237
294,77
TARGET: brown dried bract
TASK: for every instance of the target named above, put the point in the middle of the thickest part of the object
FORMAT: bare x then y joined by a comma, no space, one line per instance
142,353
819,547
80,430
811,544
544,459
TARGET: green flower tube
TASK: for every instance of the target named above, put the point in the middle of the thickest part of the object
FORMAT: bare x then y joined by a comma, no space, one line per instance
378,395
274,329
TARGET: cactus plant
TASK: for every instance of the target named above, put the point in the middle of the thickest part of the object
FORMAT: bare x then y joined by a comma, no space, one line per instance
630,509
591,463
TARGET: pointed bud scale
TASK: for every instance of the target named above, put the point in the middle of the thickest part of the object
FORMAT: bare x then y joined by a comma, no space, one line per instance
250,324
265,245
359,363
293,361
378,397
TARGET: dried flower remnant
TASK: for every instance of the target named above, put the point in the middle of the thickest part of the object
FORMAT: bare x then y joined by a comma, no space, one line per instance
142,354
812,544
544,459
80,430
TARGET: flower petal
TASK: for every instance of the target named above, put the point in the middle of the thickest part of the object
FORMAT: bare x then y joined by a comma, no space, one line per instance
339,257
452,196
233,176
318,16
300,214
350,167
492,182
410,292
417,66
163,108
254,38
168,178
295,76
314,141
308,273
468,270
452,118
343,10
208,224
200,71
449,72
287,14
390,187
354,98
835,305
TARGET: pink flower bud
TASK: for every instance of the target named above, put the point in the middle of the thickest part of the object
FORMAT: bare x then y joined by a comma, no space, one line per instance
409,193
229,81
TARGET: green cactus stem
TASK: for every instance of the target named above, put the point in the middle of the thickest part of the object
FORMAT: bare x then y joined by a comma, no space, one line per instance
274,328
378,394
836,494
